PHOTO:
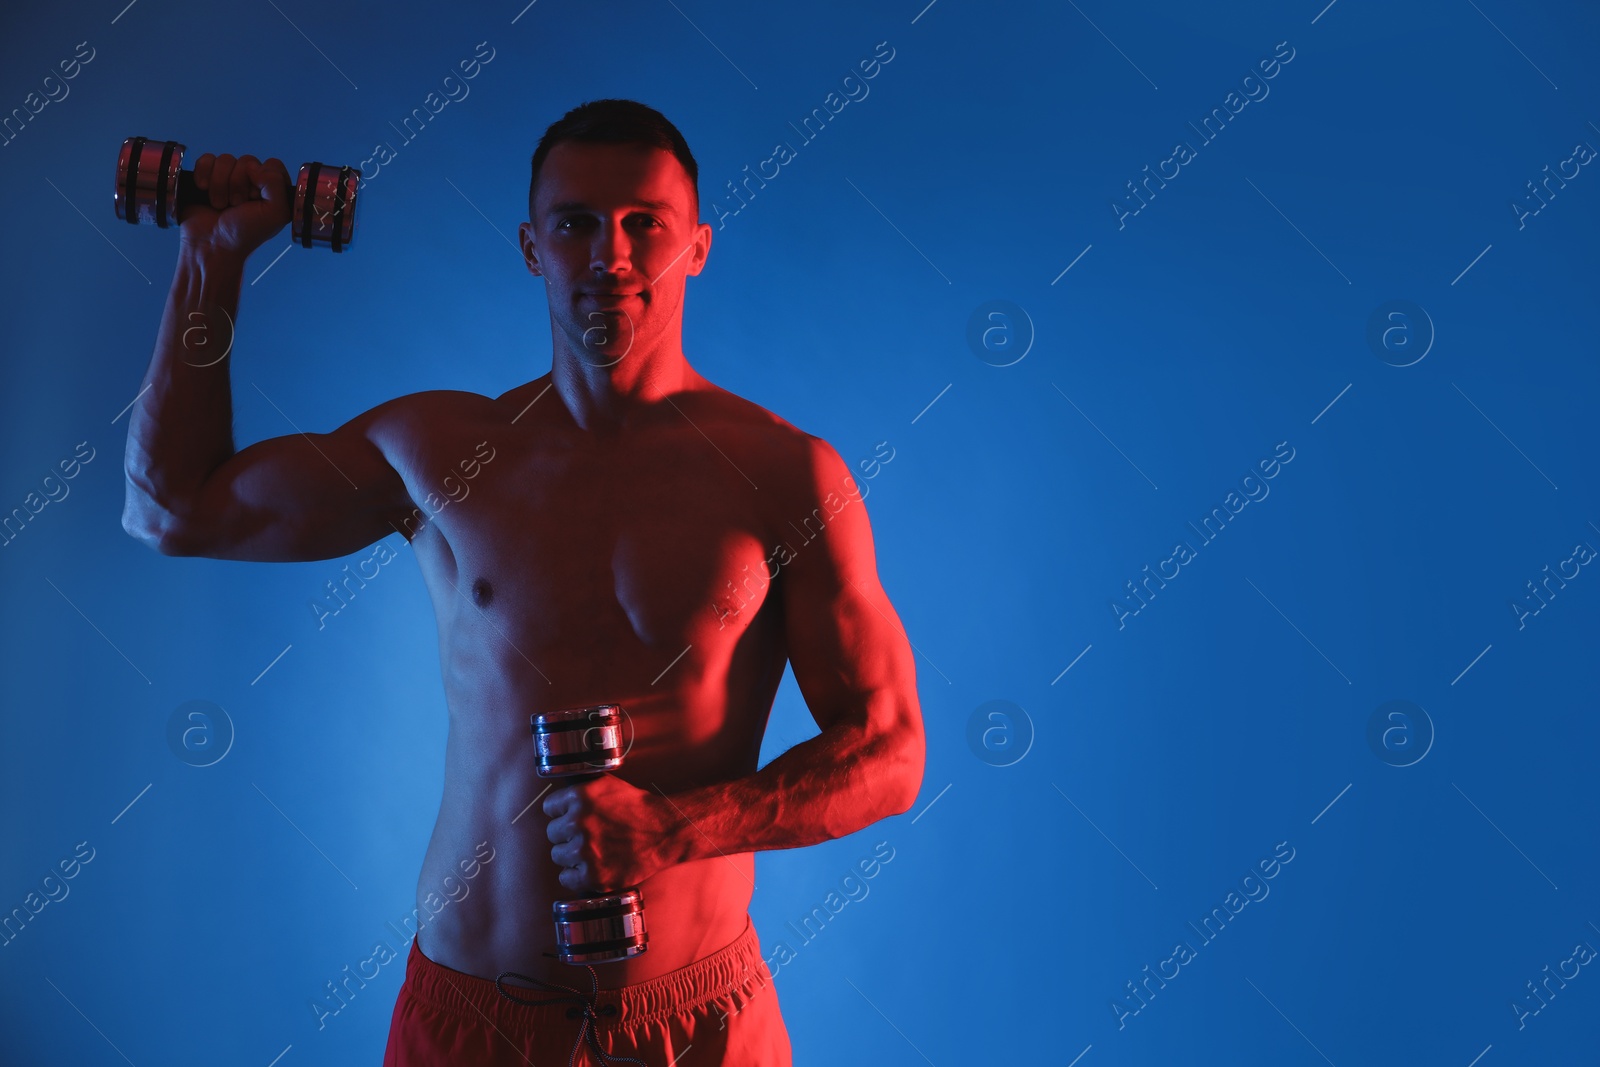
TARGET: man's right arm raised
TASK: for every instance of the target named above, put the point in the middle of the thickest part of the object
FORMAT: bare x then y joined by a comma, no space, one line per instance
189,492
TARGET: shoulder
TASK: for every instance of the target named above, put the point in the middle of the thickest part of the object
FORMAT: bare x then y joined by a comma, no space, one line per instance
816,509
405,423
414,411
807,493
801,464
734,414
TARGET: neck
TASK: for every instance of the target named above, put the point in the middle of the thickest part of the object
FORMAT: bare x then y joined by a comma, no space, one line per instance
608,398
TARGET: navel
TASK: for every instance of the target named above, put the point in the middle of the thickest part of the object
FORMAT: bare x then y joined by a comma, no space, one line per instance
482,592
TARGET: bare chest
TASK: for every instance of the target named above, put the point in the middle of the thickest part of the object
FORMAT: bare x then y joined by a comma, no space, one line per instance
595,556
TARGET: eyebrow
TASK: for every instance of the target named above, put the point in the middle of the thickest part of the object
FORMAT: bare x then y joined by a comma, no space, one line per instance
578,205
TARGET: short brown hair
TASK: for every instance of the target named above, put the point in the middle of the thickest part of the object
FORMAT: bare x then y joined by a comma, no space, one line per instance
615,121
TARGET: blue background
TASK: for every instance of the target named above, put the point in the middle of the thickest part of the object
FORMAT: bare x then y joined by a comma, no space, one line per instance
1229,715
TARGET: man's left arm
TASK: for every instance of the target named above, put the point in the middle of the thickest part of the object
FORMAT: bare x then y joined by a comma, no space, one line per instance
854,666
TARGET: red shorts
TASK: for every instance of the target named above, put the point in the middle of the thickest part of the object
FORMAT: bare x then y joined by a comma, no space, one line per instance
722,1009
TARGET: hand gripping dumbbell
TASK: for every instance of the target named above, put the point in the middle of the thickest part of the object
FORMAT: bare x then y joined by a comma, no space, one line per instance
151,187
579,744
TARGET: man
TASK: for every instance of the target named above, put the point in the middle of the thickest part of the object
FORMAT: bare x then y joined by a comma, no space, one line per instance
625,532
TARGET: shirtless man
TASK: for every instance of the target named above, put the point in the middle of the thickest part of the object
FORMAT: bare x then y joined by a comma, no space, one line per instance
637,536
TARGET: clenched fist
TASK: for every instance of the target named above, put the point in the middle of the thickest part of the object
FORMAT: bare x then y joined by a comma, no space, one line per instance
606,834
249,202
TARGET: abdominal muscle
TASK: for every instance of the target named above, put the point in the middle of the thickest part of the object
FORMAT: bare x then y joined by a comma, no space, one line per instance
502,922
492,824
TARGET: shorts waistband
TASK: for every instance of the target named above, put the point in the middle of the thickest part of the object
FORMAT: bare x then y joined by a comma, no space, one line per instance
737,967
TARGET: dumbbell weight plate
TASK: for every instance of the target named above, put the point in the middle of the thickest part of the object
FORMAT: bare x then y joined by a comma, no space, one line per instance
601,929
578,741
149,177
325,205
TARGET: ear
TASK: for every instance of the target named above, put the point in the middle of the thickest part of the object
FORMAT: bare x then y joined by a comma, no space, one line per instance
702,248
529,252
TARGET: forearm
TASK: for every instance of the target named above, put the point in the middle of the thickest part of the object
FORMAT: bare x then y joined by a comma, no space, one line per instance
844,779
180,428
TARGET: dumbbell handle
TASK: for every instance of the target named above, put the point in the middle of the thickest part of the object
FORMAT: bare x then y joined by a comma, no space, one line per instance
189,193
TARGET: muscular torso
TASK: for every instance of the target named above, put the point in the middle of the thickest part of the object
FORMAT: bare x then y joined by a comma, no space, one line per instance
573,569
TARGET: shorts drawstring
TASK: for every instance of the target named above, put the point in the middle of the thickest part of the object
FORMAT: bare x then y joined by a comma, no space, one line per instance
586,1002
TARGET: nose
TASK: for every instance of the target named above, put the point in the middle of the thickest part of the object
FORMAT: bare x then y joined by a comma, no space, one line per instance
612,251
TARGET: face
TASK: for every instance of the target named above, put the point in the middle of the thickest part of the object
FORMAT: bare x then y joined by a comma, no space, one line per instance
614,235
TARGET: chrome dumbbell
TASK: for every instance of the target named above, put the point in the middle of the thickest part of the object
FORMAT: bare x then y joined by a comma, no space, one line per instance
578,744
152,187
